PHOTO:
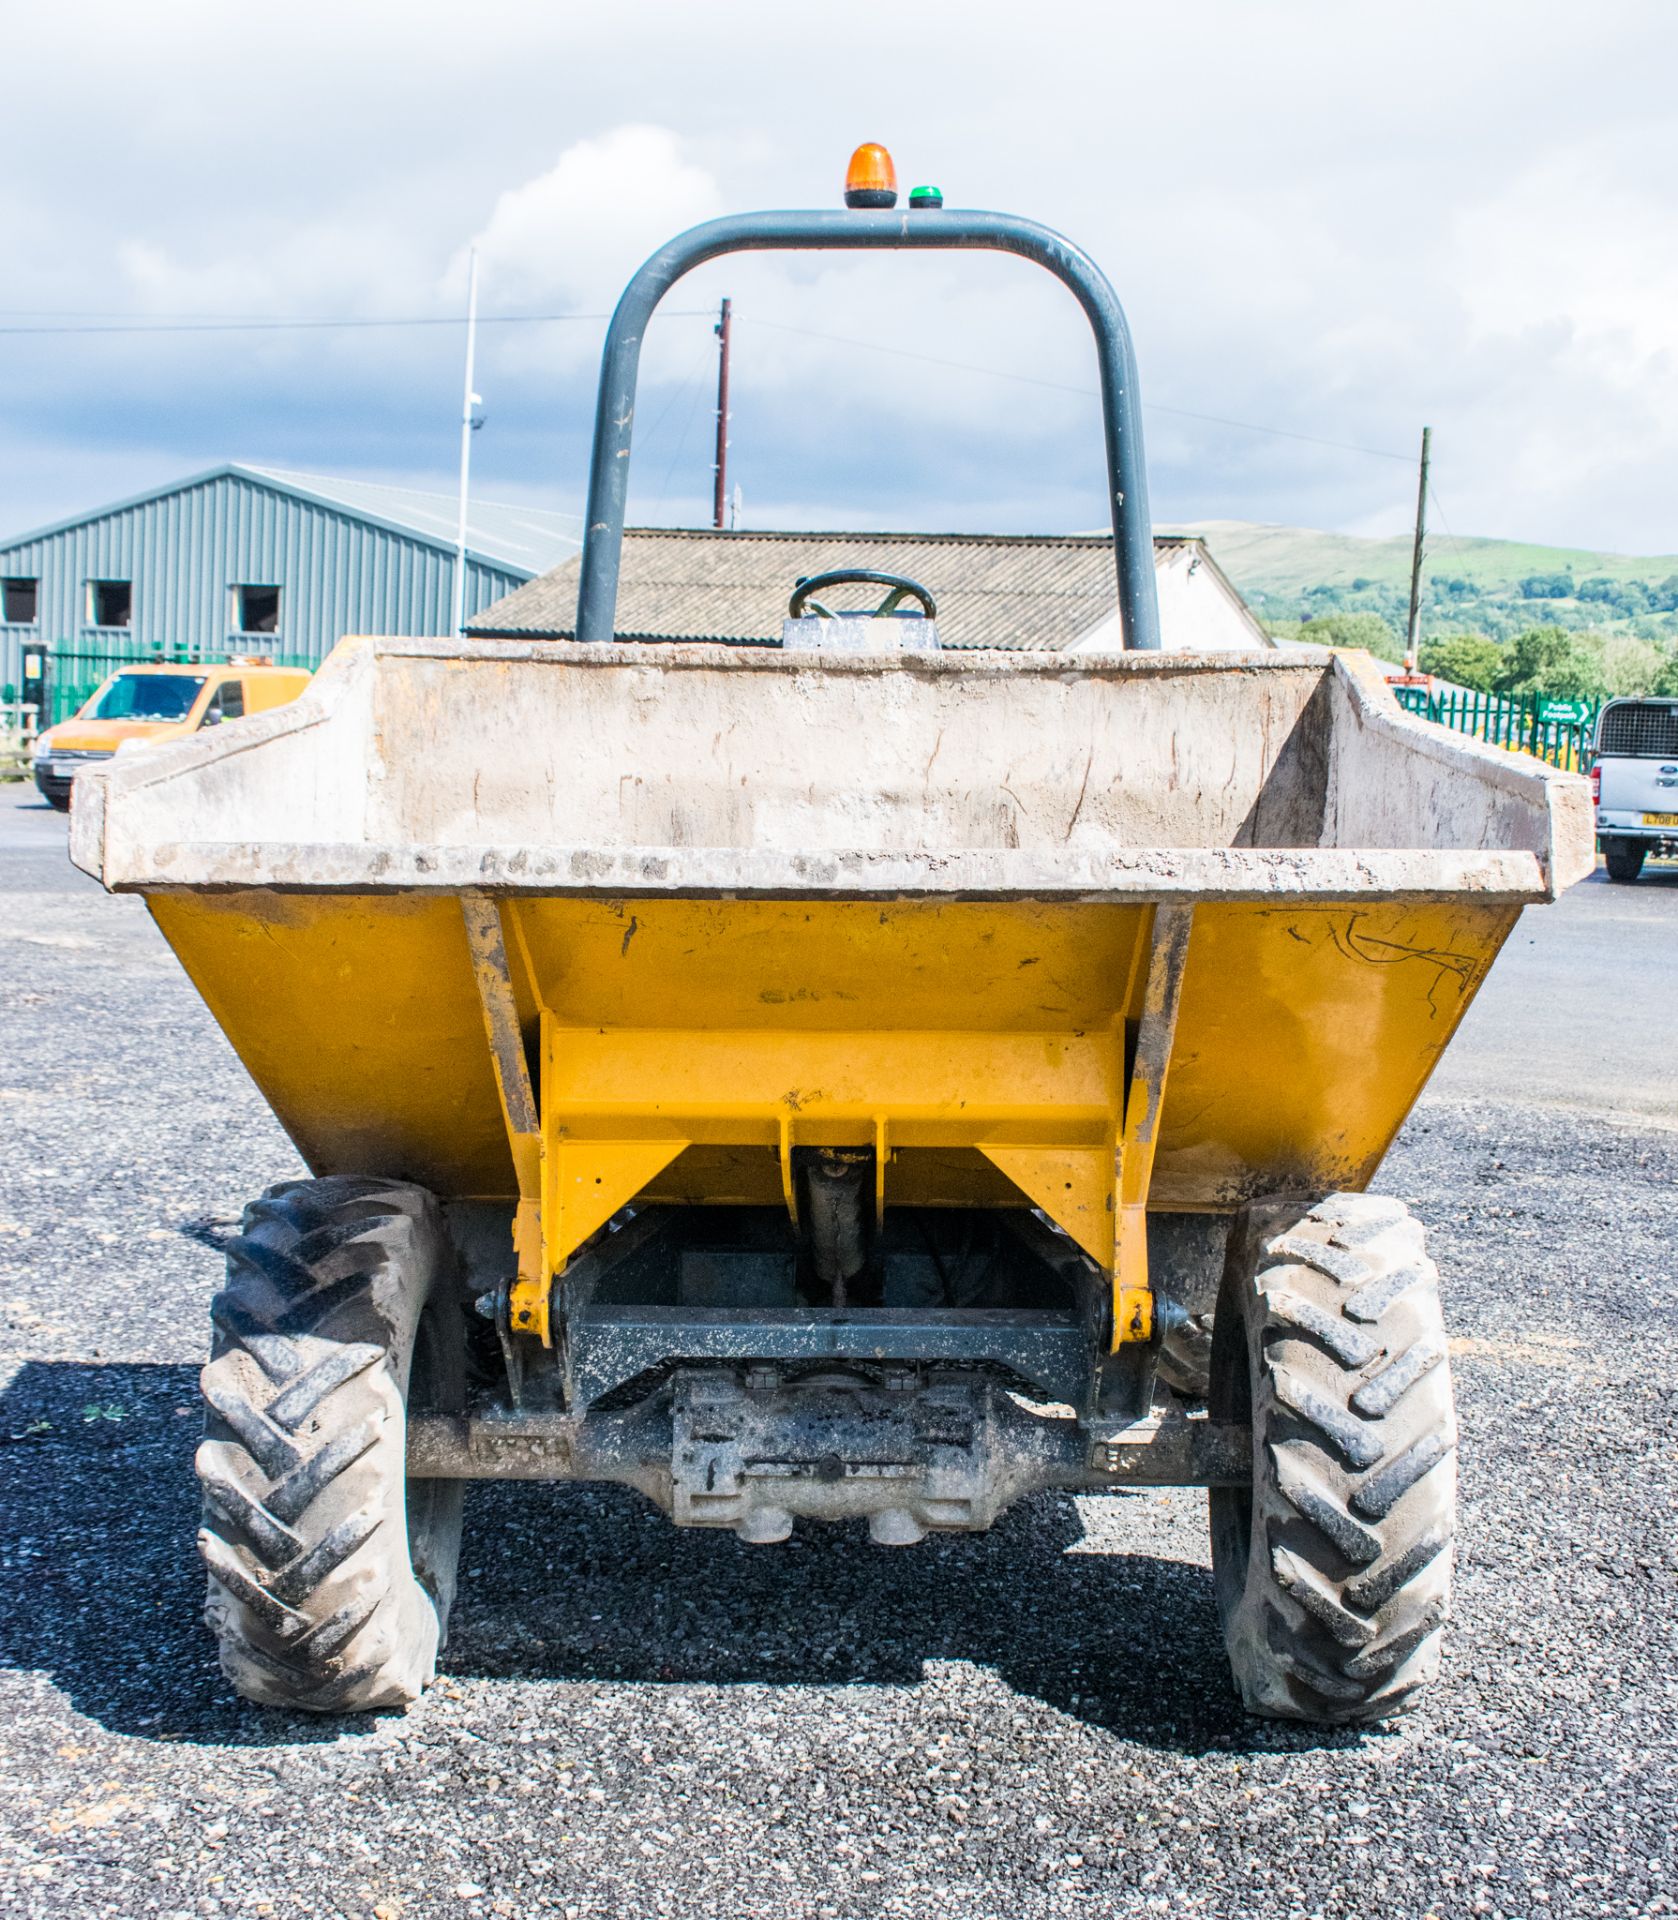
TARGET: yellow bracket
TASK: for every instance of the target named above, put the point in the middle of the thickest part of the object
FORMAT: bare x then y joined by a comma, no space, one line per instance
882,1157
1052,1112
527,1299
1099,1195
1133,1298
588,1181
567,1190
1073,1186
492,940
783,1142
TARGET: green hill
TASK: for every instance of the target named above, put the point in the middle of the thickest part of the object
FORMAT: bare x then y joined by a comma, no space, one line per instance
1283,560
1500,588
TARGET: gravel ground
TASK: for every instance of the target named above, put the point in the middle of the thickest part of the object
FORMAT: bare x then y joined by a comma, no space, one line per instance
638,1721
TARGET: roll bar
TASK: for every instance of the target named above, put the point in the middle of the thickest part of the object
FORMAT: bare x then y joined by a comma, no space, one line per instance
614,419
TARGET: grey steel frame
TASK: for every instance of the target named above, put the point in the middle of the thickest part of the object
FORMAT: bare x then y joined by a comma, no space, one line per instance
608,488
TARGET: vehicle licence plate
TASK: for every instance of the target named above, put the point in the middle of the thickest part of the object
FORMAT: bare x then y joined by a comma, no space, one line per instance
62,769
1660,819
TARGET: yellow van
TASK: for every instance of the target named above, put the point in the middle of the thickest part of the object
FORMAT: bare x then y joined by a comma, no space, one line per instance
139,706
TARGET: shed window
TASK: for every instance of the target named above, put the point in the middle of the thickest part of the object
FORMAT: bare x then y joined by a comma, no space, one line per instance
19,601
256,609
110,603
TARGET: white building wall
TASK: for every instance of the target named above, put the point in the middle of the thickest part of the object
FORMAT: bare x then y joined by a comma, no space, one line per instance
1197,612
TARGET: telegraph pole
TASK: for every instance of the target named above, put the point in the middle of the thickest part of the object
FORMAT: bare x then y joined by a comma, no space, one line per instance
1414,630
719,495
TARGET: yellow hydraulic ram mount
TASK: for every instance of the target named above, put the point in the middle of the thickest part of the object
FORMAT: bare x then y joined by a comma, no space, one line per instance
984,1053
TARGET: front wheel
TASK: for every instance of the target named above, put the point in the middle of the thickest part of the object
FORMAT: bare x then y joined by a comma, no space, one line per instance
1624,858
331,1572
1333,1569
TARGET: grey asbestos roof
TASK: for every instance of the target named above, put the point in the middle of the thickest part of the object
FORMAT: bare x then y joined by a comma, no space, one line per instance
1033,592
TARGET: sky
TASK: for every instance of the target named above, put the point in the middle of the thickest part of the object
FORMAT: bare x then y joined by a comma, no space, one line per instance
1329,226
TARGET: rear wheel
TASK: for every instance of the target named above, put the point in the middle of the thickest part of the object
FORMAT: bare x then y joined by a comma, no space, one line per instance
331,1572
1185,1357
1333,1569
1624,858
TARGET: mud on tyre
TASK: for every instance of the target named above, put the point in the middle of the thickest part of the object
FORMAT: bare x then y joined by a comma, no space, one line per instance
331,1573
1333,1570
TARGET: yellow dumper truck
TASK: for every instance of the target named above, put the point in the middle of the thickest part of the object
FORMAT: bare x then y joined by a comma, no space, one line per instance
834,1082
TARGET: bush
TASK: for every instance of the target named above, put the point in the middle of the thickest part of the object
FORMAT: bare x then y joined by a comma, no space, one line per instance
1630,665
1547,586
1550,660
1354,630
1627,596
1468,659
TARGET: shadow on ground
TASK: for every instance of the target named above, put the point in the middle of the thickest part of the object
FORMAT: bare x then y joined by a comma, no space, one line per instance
1656,874
100,1590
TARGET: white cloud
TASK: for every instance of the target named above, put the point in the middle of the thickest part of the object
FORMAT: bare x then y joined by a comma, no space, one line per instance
575,233
1576,240
335,266
1339,221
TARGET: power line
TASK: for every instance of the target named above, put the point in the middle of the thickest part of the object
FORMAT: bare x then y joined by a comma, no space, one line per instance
92,326
1454,540
1276,433
677,395
1450,531
318,326
696,381
104,313
1088,393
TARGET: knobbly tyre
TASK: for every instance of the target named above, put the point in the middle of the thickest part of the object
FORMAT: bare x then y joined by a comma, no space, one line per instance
846,1081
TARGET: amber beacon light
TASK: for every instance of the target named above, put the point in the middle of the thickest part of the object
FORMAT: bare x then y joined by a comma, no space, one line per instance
871,179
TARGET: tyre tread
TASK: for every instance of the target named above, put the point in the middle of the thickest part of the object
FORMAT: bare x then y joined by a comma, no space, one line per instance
312,1588
1335,1588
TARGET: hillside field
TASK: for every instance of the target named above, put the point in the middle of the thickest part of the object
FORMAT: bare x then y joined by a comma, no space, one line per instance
1292,560
1499,588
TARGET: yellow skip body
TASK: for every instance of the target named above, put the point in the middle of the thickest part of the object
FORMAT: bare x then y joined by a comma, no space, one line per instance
987,1051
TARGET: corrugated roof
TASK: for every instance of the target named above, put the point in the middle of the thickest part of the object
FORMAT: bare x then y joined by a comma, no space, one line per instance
519,539
1019,591
529,539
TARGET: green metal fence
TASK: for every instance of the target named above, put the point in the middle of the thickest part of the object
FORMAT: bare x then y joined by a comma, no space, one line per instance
78,669
1545,725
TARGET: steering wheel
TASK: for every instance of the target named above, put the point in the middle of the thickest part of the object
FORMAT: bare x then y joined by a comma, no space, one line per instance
901,588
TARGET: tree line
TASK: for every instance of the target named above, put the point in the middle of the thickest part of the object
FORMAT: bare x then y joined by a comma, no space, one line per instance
1529,644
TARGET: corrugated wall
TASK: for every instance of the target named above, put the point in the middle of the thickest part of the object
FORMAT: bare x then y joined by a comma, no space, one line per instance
185,551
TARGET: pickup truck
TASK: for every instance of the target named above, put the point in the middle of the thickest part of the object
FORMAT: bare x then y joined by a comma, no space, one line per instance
1635,783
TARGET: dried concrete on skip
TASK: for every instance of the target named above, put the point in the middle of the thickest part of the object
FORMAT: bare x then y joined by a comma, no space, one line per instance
433,765
1035,1722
